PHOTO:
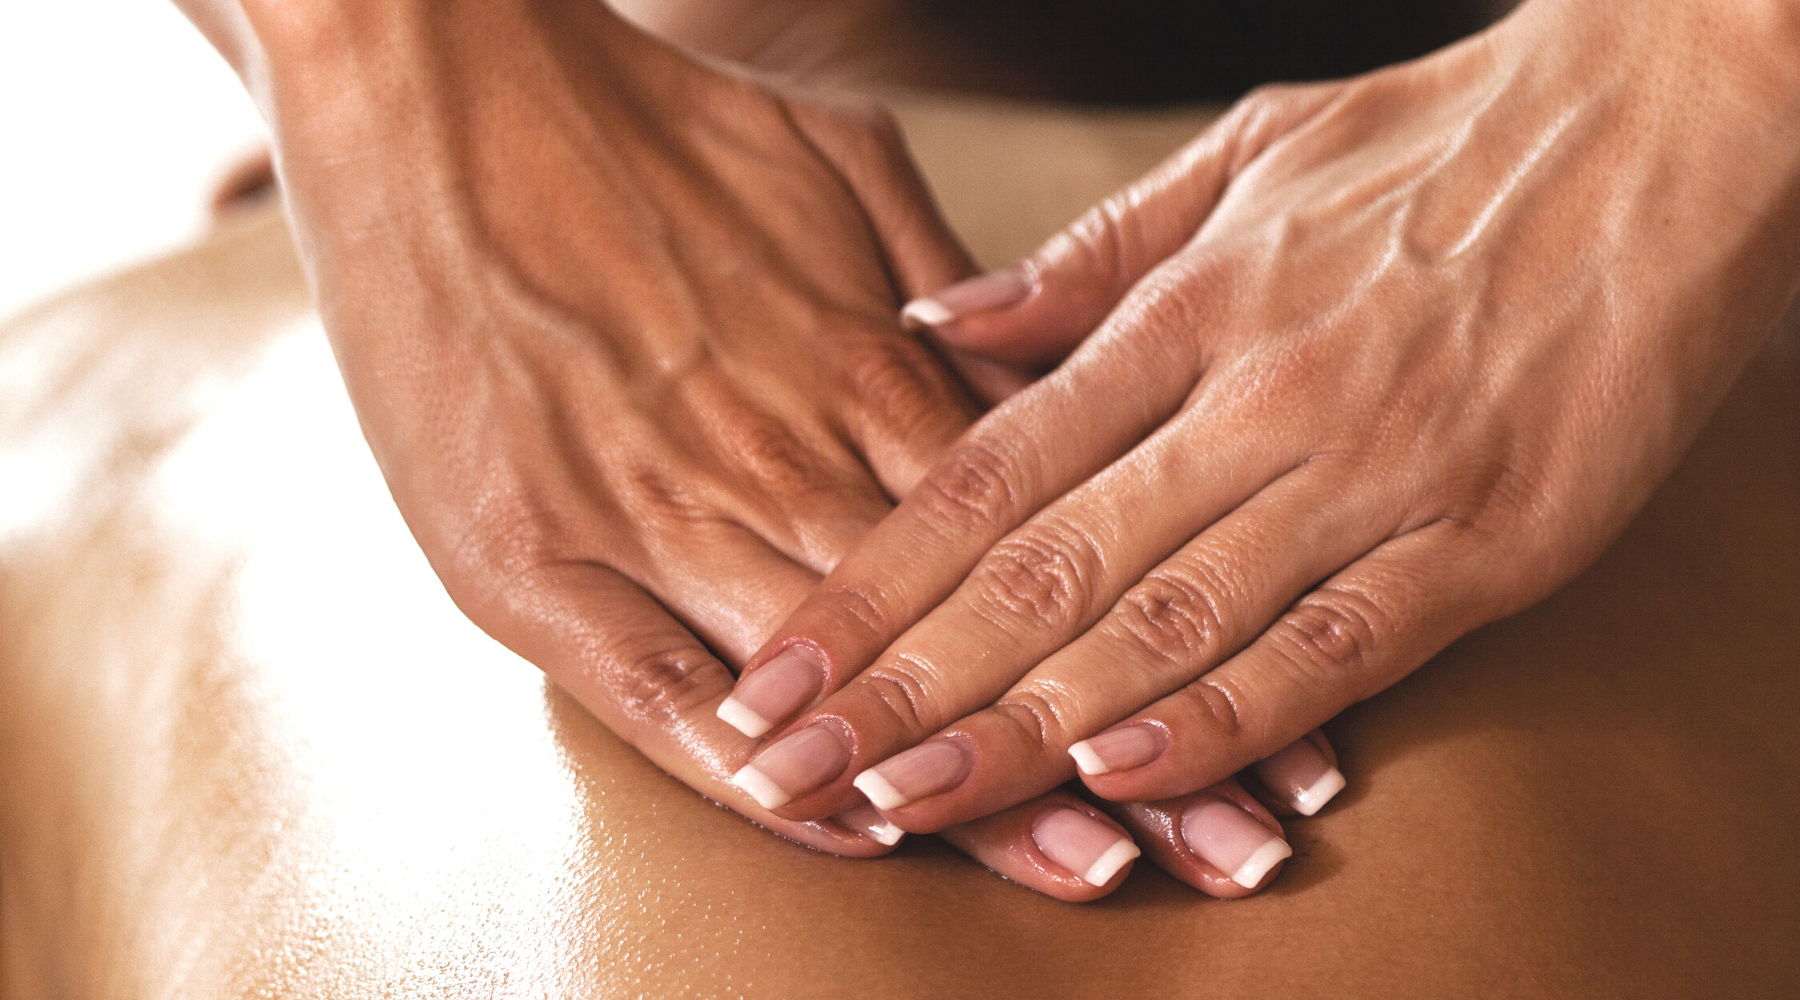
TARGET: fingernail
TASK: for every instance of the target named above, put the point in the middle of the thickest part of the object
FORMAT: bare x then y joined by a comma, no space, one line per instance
1082,844
995,290
924,770
794,766
1301,775
1118,750
866,821
1232,841
766,696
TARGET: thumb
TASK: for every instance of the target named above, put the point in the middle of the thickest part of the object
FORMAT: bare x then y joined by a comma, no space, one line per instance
1031,315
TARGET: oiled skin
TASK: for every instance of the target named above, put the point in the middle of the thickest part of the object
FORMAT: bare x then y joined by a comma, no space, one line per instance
248,748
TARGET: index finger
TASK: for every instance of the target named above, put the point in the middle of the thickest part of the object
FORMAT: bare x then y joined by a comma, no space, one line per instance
1009,466
619,653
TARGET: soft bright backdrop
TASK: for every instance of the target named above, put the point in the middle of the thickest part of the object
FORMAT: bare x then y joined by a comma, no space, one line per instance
116,118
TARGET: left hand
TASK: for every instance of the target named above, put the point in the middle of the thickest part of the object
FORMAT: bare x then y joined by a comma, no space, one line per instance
1386,359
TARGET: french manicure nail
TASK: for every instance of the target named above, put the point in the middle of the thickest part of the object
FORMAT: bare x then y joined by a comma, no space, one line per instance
1118,750
866,821
924,770
1302,776
1082,844
793,766
766,696
1232,841
994,290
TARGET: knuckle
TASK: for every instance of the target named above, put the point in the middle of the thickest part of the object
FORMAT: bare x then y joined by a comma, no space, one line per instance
976,486
1176,621
899,385
774,456
905,688
1264,95
1485,495
1035,718
656,688
1096,243
1042,574
663,494
859,607
1221,704
1333,634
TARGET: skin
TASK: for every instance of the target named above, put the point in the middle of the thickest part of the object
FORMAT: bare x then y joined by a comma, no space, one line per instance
1372,363
621,331
229,767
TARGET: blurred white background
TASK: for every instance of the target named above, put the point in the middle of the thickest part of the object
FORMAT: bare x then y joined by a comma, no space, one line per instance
116,117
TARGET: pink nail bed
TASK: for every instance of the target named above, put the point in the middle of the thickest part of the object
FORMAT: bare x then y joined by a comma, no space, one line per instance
1082,844
1117,750
794,766
925,770
1302,776
1232,841
767,696
995,290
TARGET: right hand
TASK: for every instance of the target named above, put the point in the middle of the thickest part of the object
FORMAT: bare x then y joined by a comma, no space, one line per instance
620,332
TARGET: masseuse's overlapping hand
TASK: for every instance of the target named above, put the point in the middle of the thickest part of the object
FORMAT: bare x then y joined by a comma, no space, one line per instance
1381,361
621,332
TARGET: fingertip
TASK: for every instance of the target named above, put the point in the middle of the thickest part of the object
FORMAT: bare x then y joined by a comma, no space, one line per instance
739,717
984,293
1309,801
1300,777
1110,863
867,821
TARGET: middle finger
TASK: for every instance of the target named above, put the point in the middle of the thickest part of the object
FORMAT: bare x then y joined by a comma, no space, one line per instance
1037,590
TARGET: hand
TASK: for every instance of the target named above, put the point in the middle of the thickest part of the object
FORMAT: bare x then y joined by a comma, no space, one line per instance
621,332
1376,362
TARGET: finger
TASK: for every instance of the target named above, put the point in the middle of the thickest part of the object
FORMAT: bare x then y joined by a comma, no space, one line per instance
1183,617
602,639
1057,844
1220,841
1299,779
1360,631
720,581
815,502
911,410
864,142
1035,312
1034,592
901,408
997,477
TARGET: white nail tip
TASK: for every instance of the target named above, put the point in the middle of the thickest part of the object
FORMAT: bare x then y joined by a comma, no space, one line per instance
1311,800
926,312
879,790
742,719
766,793
886,834
1107,865
1266,857
1086,759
